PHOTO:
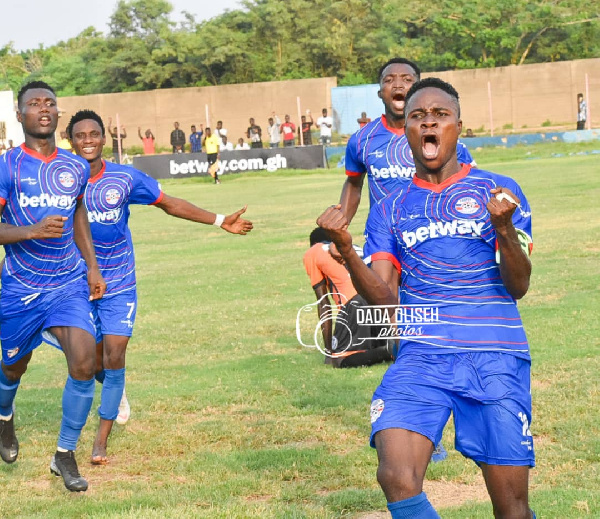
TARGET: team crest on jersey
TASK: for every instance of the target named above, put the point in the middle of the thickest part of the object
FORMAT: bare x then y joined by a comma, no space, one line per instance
112,196
11,353
376,409
467,205
66,179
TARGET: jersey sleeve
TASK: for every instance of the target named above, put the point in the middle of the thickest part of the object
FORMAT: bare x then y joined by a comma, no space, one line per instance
145,189
354,165
4,180
380,240
85,177
464,155
311,264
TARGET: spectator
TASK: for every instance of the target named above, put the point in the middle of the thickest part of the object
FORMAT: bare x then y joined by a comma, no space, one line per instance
196,139
254,133
225,144
288,129
177,139
325,123
363,120
469,133
306,127
241,145
220,132
64,142
273,131
581,112
330,278
147,141
212,144
117,140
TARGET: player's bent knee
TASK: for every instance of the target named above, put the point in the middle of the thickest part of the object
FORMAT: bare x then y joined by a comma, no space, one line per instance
398,482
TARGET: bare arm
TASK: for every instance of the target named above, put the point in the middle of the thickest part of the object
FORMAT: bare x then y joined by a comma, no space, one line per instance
140,133
181,208
49,227
515,267
326,327
83,240
367,282
351,193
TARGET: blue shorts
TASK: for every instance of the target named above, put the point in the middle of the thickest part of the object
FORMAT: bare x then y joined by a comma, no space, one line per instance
487,392
24,318
115,315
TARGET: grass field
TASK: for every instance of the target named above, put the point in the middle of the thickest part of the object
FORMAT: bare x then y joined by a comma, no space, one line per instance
231,418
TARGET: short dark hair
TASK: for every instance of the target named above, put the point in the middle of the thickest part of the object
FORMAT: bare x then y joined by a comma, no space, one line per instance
83,115
319,235
401,61
30,86
433,82
580,94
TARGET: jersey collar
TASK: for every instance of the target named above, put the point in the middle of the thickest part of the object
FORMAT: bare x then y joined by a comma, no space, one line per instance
98,176
39,156
438,188
397,131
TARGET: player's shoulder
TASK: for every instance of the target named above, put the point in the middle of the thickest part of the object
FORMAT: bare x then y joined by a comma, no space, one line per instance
496,177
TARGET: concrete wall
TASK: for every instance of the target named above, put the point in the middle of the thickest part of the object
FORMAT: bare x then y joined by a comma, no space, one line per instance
233,104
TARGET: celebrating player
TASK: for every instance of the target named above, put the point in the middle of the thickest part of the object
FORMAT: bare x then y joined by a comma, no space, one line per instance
380,149
46,236
111,190
461,237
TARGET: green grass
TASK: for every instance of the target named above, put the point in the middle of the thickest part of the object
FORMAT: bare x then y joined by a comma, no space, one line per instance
233,419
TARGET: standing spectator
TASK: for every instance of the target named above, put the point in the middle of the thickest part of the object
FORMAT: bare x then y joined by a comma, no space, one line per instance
196,139
306,127
241,145
117,140
288,129
581,112
147,141
325,123
273,131
254,133
220,132
363,120
225,144
177,139
212,144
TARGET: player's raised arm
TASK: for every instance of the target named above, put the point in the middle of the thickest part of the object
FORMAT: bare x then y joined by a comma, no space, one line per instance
351,193
181,208
515,267
83,240
367,282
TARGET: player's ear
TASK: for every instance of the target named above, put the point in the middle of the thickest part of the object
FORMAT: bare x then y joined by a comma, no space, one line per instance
460,126
379,94
19,116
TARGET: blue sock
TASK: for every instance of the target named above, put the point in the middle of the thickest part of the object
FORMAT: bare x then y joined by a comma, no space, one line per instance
8,391
439,453
100,376
76,403
533,515
417,507
112,391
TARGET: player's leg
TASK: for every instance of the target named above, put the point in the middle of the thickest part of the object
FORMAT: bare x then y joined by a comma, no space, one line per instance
403,459
10,378
113,387
79,347
508,489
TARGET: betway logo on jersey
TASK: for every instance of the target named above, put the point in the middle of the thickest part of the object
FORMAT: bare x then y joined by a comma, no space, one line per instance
46,200
104,216
439,229
394,171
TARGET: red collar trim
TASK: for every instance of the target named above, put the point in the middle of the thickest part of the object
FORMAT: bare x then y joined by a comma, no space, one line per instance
397,131
39,156
98,176
419,182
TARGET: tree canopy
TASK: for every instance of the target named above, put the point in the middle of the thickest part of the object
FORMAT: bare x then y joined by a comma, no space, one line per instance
269,40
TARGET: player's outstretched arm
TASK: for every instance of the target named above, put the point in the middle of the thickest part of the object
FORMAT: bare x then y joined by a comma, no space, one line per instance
515,267
83,240
367,282
181,208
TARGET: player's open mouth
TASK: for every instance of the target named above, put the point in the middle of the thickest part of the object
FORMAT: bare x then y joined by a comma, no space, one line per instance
398,101
88,149
430,145
45,120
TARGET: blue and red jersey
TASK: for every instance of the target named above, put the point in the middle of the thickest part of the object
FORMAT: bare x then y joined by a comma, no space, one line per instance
441,240
33,187
384,155
107,199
